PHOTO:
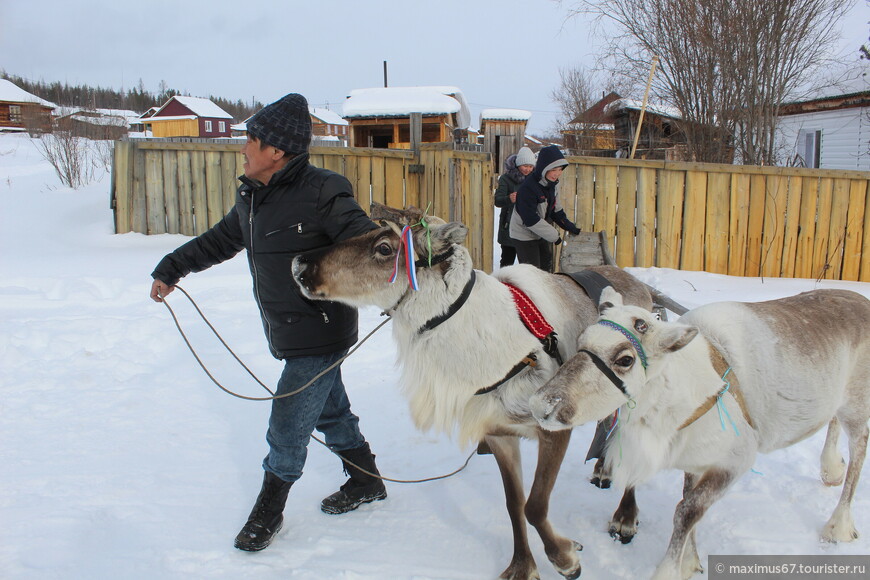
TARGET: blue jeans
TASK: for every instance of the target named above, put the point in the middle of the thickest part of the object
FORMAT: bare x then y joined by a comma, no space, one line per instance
323,406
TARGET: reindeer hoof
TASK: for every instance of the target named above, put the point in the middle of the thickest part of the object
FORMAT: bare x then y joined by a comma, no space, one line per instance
623,537
600,482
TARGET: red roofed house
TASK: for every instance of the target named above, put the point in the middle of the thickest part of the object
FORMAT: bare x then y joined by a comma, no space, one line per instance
189,117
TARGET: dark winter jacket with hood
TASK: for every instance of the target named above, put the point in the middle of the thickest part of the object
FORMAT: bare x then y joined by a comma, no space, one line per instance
301,208
538,203
508,182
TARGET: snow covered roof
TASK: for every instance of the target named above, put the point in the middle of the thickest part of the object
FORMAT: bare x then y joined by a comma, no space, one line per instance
402,101
200,107
12,93
327,116
504,115
663,110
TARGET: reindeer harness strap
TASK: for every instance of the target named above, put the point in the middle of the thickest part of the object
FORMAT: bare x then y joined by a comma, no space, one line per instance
454,308
539,327
731,386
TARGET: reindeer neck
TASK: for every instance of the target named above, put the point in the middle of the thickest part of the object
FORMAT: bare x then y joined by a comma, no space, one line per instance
443,288
677,385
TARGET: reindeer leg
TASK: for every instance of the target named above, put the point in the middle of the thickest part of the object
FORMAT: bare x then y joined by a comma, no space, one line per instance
691,562
696,500
841,526
623,524
833,466
506,450
600,475
561,551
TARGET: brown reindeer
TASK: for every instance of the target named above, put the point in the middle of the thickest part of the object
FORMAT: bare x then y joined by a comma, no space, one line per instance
469,361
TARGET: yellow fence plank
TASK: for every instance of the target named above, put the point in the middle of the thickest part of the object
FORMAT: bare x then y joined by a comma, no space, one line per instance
792,226
586,197
837,232
199,191
646,218
716,223
186,224
755,231
738,224
806,238
122,181
821,257
214,187
669,219
855,231
394,182
775,204
626,200
605,202
155,208
694,221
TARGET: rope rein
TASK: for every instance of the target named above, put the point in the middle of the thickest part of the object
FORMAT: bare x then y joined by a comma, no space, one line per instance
290,394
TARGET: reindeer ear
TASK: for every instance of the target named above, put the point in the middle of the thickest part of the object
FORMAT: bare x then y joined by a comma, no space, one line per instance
610,298
675,336
443,236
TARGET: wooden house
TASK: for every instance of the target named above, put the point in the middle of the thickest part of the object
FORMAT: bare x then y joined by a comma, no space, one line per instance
607,129
22,111
111,124
592,130
328,126
829,131
189,117
381,117
504,133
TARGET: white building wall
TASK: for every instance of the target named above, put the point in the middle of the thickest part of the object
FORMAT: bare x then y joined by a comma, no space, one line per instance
845,138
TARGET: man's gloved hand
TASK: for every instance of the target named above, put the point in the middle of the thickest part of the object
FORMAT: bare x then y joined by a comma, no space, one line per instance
558,242
574,232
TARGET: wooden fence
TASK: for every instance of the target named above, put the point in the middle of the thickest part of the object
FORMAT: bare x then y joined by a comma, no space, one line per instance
161,186
735,220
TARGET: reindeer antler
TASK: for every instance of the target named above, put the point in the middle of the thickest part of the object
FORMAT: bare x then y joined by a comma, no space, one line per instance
403,217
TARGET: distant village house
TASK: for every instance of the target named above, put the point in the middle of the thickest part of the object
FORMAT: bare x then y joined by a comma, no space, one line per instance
504,133
111,124
188,117
829,131
608,127
22,111
380,117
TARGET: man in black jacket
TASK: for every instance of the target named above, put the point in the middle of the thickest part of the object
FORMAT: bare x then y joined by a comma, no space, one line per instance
285,206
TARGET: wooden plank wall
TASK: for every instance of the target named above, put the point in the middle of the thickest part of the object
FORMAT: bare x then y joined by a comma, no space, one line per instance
728,219
187,187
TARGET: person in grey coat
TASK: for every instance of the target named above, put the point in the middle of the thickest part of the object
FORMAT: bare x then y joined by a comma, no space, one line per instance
537,208
516,168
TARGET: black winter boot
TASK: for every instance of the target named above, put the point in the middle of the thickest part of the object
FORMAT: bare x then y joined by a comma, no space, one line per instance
361,487
267,516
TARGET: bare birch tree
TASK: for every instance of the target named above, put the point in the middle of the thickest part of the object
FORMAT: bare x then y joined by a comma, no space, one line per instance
727,65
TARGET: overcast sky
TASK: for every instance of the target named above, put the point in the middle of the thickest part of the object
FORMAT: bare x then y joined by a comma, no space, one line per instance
499,53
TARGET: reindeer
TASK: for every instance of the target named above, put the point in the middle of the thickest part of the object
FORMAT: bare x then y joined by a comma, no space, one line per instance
469,362
776,371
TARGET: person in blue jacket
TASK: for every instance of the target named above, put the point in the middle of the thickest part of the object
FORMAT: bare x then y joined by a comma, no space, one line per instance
537,209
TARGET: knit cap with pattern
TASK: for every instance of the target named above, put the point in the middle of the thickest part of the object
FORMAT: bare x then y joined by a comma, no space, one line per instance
284,124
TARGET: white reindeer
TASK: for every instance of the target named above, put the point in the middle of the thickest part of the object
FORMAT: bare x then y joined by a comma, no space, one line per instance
707,393
469,364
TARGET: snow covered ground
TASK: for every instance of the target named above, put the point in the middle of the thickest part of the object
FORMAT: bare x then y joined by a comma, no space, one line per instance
121,460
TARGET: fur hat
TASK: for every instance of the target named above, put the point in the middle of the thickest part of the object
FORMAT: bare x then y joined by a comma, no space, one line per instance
285,124
525,157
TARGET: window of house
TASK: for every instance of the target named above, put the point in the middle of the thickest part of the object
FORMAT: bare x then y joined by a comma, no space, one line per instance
810,148
15,113
222,126
208,126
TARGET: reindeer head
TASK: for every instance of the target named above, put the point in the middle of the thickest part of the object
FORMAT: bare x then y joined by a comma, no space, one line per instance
358,271
609,368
